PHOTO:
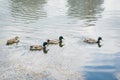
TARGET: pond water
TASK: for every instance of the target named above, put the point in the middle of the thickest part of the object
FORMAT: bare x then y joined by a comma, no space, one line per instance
35,21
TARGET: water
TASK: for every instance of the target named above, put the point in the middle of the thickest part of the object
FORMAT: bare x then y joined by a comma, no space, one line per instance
35,21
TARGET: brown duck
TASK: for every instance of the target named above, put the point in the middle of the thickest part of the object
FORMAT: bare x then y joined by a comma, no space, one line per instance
56,41
12,41
38,47
92,41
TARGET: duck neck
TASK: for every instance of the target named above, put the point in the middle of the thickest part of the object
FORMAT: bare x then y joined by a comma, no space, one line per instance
98,41
44,44
44,47
60,40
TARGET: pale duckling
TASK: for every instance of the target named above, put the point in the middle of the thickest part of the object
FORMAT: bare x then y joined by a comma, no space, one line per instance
12,41
92,41
38,47
55,41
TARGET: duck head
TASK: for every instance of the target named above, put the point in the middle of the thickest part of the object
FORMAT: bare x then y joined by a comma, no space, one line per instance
44,44
16,37
60,38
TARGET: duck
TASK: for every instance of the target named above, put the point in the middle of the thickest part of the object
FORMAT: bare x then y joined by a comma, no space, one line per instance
38,47
55,41
92,41
13,40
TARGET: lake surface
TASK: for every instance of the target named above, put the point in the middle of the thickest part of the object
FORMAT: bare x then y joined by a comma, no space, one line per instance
35,21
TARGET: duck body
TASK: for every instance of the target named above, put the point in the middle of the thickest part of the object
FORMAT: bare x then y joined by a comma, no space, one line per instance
53,41
38,47
92,41
56,41
12,41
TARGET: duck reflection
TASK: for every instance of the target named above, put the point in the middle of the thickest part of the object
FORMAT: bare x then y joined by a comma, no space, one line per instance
88,10
45,51
61,44
27,11
100,45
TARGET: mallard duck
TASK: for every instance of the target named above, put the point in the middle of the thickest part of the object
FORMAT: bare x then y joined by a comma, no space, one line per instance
38,47
92,41
55,41
12,41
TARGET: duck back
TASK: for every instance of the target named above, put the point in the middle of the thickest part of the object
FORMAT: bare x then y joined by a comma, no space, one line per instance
90,40
36,47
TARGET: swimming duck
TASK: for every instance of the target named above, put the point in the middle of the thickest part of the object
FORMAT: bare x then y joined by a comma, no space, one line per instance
55,41
12,41
92,41
38,47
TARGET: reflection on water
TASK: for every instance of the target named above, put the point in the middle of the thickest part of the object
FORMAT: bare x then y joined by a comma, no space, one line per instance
35,21
99,45
61,44
86,9
103,67
27,11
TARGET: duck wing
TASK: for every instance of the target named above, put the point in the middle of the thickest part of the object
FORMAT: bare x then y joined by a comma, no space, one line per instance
10,41
36,47
90,40
53,41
